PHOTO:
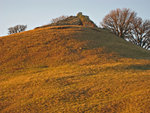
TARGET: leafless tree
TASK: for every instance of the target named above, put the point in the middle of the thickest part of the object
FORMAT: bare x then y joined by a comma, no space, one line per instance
55,20
17,29
125,24
141,32
119,21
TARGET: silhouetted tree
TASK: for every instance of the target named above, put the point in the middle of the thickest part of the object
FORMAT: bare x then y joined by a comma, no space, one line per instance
141,32
17,29
125,24
119,21
55,20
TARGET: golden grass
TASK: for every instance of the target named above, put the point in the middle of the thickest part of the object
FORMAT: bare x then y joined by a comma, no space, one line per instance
64,70
60,45
76,88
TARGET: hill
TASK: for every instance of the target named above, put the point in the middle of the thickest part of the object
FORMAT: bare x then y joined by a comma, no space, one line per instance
71,68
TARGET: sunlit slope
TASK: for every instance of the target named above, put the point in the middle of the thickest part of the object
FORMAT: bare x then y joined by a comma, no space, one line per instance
62,44
72,69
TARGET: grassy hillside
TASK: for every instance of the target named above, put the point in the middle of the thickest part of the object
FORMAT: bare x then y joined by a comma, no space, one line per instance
72,69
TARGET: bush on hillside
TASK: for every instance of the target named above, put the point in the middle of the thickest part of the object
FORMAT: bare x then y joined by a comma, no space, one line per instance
17,29
55,20
72,20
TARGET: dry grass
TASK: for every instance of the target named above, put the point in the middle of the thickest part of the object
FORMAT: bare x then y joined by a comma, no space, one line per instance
72,69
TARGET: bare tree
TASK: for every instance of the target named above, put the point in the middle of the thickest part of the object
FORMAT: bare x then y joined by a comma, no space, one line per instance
125,24
17,29
119,21
55,20
141,32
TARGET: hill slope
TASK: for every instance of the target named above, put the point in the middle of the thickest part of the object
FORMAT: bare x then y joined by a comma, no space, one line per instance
72,69
63,44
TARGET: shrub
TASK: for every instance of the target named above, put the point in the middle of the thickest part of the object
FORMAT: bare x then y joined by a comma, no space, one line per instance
55,20
17,29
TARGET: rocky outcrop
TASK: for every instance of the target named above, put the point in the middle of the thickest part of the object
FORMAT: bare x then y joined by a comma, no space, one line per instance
80,19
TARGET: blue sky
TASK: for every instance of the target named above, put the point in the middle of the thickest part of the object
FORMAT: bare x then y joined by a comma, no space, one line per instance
34,13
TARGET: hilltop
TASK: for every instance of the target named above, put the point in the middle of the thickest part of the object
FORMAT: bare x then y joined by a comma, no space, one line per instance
80,19
72,68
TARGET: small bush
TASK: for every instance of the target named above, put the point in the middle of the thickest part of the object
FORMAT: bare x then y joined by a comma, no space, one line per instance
55,20
17,29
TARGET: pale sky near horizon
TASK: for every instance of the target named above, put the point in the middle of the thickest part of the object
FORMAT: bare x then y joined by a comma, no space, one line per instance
35,13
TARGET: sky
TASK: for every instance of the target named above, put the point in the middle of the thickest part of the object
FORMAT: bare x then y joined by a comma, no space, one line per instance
34,13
